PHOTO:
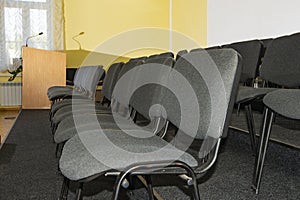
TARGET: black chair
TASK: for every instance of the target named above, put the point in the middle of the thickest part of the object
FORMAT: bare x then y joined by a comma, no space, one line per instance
250,52
282,57
70,75
284,102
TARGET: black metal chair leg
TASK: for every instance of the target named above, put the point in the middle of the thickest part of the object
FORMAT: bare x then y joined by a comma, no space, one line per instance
79,192
238,109
64,189
251,128
56,150
149,187
263,144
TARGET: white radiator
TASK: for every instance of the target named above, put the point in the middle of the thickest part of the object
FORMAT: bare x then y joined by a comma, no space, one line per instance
10,93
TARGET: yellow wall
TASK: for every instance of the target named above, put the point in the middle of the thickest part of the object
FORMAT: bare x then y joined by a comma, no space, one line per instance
122,27
103,19
189,19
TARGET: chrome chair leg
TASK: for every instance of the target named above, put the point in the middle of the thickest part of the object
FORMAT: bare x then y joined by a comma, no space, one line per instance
263,144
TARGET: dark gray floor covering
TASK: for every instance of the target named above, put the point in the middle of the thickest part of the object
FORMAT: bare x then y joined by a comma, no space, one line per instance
284,130
28,169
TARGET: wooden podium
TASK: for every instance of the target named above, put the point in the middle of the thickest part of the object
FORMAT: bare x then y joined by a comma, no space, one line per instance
41,70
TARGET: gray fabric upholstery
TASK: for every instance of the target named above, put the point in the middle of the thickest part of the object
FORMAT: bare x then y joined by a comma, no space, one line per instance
93,76
280,65
95,152
250,52
66,88
88,122
180,53
77,109
285,102
222,64
107,88
59,88
246,94
142,99
77,162
66,102
111,79
89,78
155,71
281,61
80,73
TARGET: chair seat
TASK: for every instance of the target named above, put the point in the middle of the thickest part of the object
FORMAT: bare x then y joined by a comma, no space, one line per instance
285,102
58,88
57,105
60,94
79,109
91,153
246,94
67,128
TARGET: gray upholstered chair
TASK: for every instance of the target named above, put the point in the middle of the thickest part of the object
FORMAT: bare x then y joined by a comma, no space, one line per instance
198,99
78,79
250,52
107,88
87,86
280,66
285,102
74,109
141,101
76,82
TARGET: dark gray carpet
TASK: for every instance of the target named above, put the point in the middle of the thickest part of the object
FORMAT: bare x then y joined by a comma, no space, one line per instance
284,130
28,169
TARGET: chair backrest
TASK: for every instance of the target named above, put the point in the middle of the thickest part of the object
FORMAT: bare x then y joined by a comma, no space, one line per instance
78,78
201,92
161,55
111,79
281,63
152,75
250,52
118,97
90,79
265,43
180,53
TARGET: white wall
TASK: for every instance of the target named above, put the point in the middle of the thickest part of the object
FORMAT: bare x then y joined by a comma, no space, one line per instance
237,20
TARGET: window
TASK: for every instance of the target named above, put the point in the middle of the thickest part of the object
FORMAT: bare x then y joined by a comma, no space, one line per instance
22,19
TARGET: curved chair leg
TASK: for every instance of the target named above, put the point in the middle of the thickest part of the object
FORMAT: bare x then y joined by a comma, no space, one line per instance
263,144
251,128
155,166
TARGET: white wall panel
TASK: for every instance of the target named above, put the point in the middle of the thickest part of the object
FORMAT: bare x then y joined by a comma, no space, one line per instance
236,20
